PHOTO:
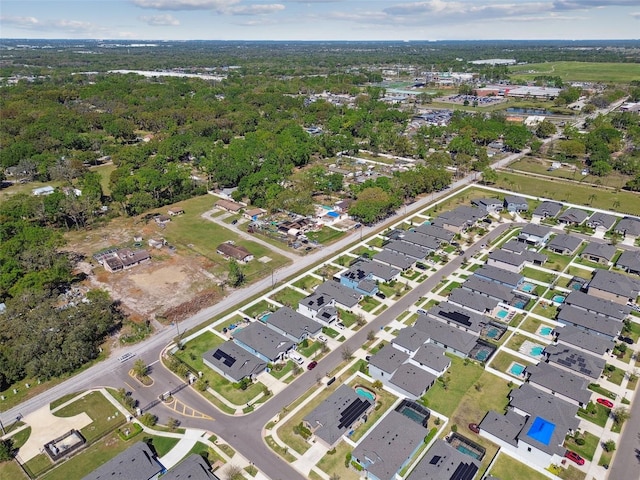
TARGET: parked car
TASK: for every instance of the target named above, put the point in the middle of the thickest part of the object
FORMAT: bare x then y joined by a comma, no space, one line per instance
474,427
574,457
605,402
322,338
627,340
234,222
421,311
421,266
381,295
340,325
312,365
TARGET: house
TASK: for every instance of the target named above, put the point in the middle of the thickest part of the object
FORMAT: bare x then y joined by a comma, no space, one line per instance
194,467
564,244
444,236
629,261
389,446
344,297
432,358
573,216
337,415
237,252
601,222
162,219
547,210
629,227
450,338
425,241
575,361
531,256
407,249
597,305
514,203
342,206
500,276
411,381
41,191
319,307
409,340
364,275
444,462
533,234
233,362
254,214
616,287
385,362
489,205
512,261
459,219
560,383
465,320
584,340
488,289
293,325
599,253
137,461
263,342
229,205
175,211
472,301
394,259
123,259
592,322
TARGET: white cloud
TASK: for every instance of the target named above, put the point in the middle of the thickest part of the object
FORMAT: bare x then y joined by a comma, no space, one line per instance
254,9
62,25
589,4
177,5
160,20
636,15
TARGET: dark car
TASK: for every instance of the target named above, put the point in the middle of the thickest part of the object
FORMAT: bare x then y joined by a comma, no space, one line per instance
574,457
234,222
421,266
312,365
627,340
381,295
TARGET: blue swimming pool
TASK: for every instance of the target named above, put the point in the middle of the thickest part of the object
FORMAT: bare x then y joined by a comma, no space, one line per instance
558,298
516,369
527,287
426,222
546,331
364,393
502,314
537,350
520,304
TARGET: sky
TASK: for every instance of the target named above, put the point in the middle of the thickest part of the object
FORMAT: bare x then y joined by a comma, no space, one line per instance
321,19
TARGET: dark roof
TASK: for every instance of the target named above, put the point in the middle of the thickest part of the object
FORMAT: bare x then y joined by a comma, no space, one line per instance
362,269
388,359
591,321
629,260
412,379
234,360
234,251
191,468
505,427
491,289
598,344
535,402
487,202
548,209
601,250
447,335
410,338
293,323
534,230
576,360
573,215
341,294
597,305
515,199
443,462
334,416
629,226
458,316
616,283
136,462
409,249
263,340
421,240
499,275
601,219
432,356
468,299
560,381
564,242
394,258
436,232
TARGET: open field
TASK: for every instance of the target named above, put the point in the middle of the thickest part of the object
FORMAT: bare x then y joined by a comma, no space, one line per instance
622,201
99,409
580,71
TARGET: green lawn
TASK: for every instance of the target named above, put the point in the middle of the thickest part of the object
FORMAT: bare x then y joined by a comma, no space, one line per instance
21,437
538,275
532,325
555,261
288,297
334,463
235,320
307,283
369,303
326,236
580,71
588,449
502,361
546,310
595,413
11,471
574,193
104,415
258,308
506,468
279,371
579,272
105,174
330,332
594,387
615,376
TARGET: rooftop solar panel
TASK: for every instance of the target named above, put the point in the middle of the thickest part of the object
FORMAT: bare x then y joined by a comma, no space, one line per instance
456,317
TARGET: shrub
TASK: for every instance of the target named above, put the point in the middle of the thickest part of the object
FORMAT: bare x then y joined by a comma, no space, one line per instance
357,466
580,441
454,428
347,459
148,419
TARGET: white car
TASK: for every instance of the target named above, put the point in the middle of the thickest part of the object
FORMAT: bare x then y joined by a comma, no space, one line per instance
340,325
296,358
322,338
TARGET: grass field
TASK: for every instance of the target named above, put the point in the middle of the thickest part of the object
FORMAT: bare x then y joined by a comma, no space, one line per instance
105,174
11,471
506,468
99,409
580,71
622,201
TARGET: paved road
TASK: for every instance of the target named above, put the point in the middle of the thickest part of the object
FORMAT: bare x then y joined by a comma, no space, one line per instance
626,463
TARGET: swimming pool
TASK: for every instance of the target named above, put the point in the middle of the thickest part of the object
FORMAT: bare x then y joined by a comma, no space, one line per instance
527,287
537,351
516,369
546,330
502,314
426,222
520,304
493,332
364,393
558,298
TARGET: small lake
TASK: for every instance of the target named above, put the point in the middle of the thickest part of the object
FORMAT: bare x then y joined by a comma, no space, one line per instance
529,111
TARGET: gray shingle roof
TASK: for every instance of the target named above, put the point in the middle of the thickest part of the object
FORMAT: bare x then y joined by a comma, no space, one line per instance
573,215
410,338
316,301
443,462
487,202
560,381
388,359
191,468
591,342
499,275
547,209
599,250
395,259
506,427
564,242
432,356
491,289
412,379
468,299
137,461
447,335
293,323
409,249
534,230
516,200
591,321
385,449
616,283
597,305
536,403
629,226
422,240
234,360
343,295
629,260
458,316
576,360
379,270
436,232
263,340
601,219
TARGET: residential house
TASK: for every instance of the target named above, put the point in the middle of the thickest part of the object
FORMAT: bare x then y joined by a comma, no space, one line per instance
575,361
162,219
319,307
487,288
385,362
514,203
432,358
424,241
629,227
598,324
263,342
411,381
497,275
533,257
585,340
599,253
560,383
254,214
389,446
343,297
194,467
629,261
533,234
407,249
489,205
233,362
547,210
293,325
409,340
369,272
464,319
138,461
444,462
175,211
337,415
564,244
237,252
616,287
597,305
394,259
229,205
342,206
601,222
123,259
42,191
573,216
443,235
514,261
459,219
450,338
472,301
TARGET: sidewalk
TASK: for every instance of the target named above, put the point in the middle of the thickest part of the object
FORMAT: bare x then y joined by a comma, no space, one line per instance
182,448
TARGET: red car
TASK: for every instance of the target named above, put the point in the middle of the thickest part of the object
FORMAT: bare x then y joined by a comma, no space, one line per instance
474,427
312,365
574,457
605,402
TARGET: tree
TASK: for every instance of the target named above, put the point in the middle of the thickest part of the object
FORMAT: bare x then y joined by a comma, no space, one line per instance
489,176
6,450
620,415
140,368
346,353
236,275
545,129
173,423
609,446
148,419
371,335
377,385
233,472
